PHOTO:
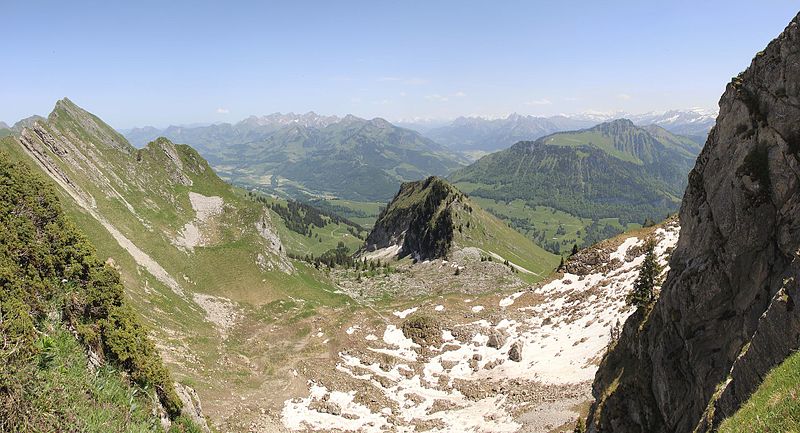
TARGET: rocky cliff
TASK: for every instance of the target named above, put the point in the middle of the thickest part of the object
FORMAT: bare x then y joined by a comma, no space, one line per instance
431,218
419,220
727,313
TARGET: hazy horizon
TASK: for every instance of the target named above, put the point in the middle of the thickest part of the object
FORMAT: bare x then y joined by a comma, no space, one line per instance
138,65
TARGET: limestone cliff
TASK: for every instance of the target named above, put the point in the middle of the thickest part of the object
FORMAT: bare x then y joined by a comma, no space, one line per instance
727,313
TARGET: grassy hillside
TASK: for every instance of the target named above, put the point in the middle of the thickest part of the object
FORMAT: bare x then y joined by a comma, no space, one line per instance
58,301
775,406
202,261
306,230
601,180
364,213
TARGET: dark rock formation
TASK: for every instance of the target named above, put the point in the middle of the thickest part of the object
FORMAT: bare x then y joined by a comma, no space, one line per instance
419,219
727,309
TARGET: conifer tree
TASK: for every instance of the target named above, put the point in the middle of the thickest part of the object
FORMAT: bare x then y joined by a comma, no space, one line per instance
643,293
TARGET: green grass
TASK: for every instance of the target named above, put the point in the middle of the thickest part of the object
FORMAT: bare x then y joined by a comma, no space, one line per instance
775,406
595,139
66,396
491,234
553,229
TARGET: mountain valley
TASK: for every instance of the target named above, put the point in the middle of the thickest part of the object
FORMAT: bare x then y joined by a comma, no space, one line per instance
598,272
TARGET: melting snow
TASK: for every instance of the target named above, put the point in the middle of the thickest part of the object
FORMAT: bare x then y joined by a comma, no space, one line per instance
509,300
403,314
562,337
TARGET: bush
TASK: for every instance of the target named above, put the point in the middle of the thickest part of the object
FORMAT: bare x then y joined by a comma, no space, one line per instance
48,269
423,330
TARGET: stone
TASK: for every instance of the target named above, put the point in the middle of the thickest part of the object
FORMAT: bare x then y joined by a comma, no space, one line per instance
496,340
515,353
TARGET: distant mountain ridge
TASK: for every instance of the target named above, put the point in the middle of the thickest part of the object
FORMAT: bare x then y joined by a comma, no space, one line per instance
477,133
312,155
484,134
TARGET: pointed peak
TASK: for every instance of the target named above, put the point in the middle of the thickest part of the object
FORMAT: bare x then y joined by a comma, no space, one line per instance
65,104
160,142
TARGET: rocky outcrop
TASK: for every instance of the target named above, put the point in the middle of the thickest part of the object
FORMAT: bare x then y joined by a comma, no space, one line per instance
419,219
727,313
191,406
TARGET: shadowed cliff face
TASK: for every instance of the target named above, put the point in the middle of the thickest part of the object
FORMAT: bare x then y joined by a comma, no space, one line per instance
419,219
727,309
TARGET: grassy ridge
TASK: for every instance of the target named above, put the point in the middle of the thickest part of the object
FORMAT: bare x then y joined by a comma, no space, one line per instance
144,194
596,182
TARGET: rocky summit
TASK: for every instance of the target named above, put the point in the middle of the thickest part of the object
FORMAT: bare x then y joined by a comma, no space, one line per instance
726,314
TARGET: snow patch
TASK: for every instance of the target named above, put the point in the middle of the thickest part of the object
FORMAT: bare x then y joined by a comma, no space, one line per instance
403,314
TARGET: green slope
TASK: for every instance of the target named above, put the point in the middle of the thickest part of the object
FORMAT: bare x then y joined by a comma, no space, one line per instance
775,406
136,204
58,300
609,177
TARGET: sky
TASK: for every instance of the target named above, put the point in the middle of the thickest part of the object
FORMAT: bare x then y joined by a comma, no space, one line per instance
172,62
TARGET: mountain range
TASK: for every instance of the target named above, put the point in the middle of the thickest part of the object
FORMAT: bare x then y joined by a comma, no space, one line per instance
229,282
311,155
481,135
135,282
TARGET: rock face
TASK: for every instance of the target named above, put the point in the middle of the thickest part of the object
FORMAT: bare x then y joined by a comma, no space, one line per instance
419,219
191,406
727,313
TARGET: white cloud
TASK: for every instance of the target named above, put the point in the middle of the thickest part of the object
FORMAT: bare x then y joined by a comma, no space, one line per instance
542,101
624,96
223,110
437,98
403,94
571,98
459,94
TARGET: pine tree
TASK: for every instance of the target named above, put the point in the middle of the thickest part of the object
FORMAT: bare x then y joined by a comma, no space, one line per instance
574,249
643,293
561,265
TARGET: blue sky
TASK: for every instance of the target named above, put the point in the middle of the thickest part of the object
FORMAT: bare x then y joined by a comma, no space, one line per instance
170,62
